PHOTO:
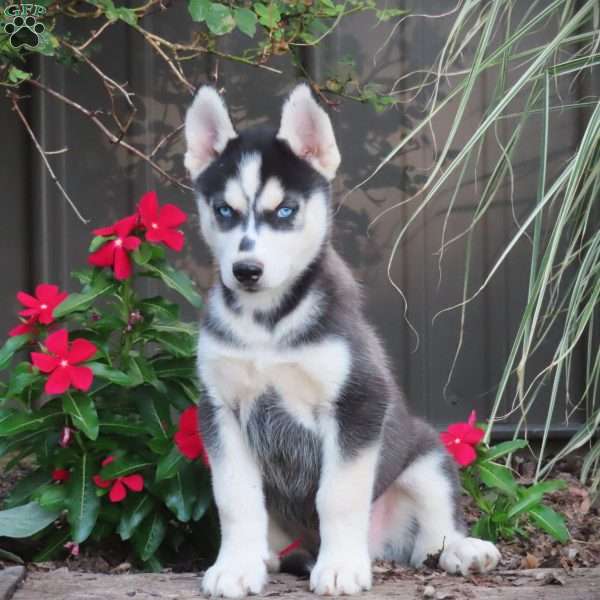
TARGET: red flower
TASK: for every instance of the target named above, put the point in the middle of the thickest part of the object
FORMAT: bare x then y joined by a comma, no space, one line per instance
188,438
120,485
162,222
60,475
115,253
62,362
38,308
29,326
41,306
460,440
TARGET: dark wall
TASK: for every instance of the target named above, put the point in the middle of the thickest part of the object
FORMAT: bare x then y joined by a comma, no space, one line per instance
42,240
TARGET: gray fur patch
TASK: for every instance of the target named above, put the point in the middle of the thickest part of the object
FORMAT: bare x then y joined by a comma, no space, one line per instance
289,456
208,424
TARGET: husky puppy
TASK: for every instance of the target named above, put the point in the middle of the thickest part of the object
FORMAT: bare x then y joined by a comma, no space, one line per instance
307,433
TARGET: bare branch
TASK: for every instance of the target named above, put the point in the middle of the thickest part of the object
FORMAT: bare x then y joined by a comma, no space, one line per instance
15,103
92,115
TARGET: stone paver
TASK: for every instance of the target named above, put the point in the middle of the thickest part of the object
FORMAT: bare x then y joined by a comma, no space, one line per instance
10,578
539,584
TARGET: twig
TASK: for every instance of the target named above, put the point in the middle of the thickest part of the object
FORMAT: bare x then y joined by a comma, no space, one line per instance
110,84
165,139
95,35
108,133
15,103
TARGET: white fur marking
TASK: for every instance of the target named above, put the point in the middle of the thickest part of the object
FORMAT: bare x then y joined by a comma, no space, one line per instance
240,568
271,196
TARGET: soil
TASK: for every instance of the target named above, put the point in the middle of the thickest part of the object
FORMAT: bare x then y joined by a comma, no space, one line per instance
538,550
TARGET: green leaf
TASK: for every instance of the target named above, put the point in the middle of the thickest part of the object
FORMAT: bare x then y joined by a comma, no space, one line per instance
245,20
143,254
78,302
10,557
22,377
149,535
160,308
82,502
177,344
175,368
179,496
98,241
533,495
154,410
138,508
82,410
52,497
484,529
55,545
269,15
169,465
17,76
499,477
551,522
204,497
123,426
13,423
121,467
219,19
178,281
141,371
113,375
24,490
198,9
13,345
25,521
502,449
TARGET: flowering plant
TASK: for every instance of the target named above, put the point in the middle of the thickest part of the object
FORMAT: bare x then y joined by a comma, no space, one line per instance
505,504
100,397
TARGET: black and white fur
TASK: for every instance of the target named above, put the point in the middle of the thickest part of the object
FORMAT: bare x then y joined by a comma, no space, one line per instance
307,433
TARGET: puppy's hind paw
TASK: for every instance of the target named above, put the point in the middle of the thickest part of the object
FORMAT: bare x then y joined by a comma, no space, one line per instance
469,555
234,579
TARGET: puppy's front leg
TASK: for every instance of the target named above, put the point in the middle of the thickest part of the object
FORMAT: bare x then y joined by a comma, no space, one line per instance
240,568
344,503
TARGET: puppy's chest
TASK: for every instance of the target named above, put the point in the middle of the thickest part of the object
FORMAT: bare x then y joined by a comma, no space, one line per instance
305,380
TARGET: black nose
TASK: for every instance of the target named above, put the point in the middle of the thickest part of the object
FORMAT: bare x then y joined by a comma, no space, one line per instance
247,271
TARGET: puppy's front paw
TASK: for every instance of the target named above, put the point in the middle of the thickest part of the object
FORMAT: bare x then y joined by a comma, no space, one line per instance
235,577
469,555
341,575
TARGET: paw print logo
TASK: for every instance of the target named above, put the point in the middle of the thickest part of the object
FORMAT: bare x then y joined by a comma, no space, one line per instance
24,32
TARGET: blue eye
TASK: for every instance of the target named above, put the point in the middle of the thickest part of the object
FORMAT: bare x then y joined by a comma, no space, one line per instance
225,211
285,212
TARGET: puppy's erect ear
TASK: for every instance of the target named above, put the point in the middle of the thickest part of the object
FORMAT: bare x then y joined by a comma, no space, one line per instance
306,127
208,128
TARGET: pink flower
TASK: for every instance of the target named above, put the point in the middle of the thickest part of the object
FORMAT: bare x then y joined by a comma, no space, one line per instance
162,222
460,440
120,485
65,437
62,363
115,253
188,439
73,548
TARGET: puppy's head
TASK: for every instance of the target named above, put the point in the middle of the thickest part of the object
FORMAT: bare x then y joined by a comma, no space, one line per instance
263,195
